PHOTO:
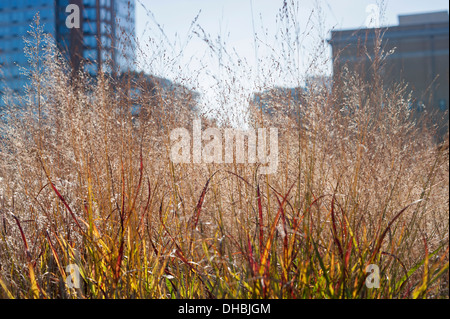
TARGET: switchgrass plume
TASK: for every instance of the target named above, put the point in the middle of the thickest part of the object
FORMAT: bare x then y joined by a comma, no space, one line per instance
86,179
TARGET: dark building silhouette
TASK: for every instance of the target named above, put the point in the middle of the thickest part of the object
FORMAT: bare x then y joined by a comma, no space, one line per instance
420,57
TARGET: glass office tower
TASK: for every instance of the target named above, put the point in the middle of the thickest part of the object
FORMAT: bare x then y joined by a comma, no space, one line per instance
103,41
15,19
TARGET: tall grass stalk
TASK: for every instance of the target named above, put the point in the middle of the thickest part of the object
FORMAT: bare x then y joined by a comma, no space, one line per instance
86,181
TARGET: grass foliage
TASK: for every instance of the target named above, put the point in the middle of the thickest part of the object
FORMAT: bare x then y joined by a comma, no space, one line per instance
85,181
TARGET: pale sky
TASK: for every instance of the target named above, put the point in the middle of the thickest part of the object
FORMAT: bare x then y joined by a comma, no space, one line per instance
232,20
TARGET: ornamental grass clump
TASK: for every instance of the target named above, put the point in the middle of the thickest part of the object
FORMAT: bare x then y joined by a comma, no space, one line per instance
88,181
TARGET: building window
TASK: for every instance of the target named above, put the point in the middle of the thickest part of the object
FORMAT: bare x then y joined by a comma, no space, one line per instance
90,27
442,105
90,14
104,28
90,54
106,41
105,15
90,41
105,3
91,68
420,106
90,3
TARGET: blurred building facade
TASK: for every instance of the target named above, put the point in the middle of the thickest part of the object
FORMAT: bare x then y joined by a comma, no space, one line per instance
104,39
420,57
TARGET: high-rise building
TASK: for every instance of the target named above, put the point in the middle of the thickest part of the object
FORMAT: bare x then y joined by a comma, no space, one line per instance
104,38
419,47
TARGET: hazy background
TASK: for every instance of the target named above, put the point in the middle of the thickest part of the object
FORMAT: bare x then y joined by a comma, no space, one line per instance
170,55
